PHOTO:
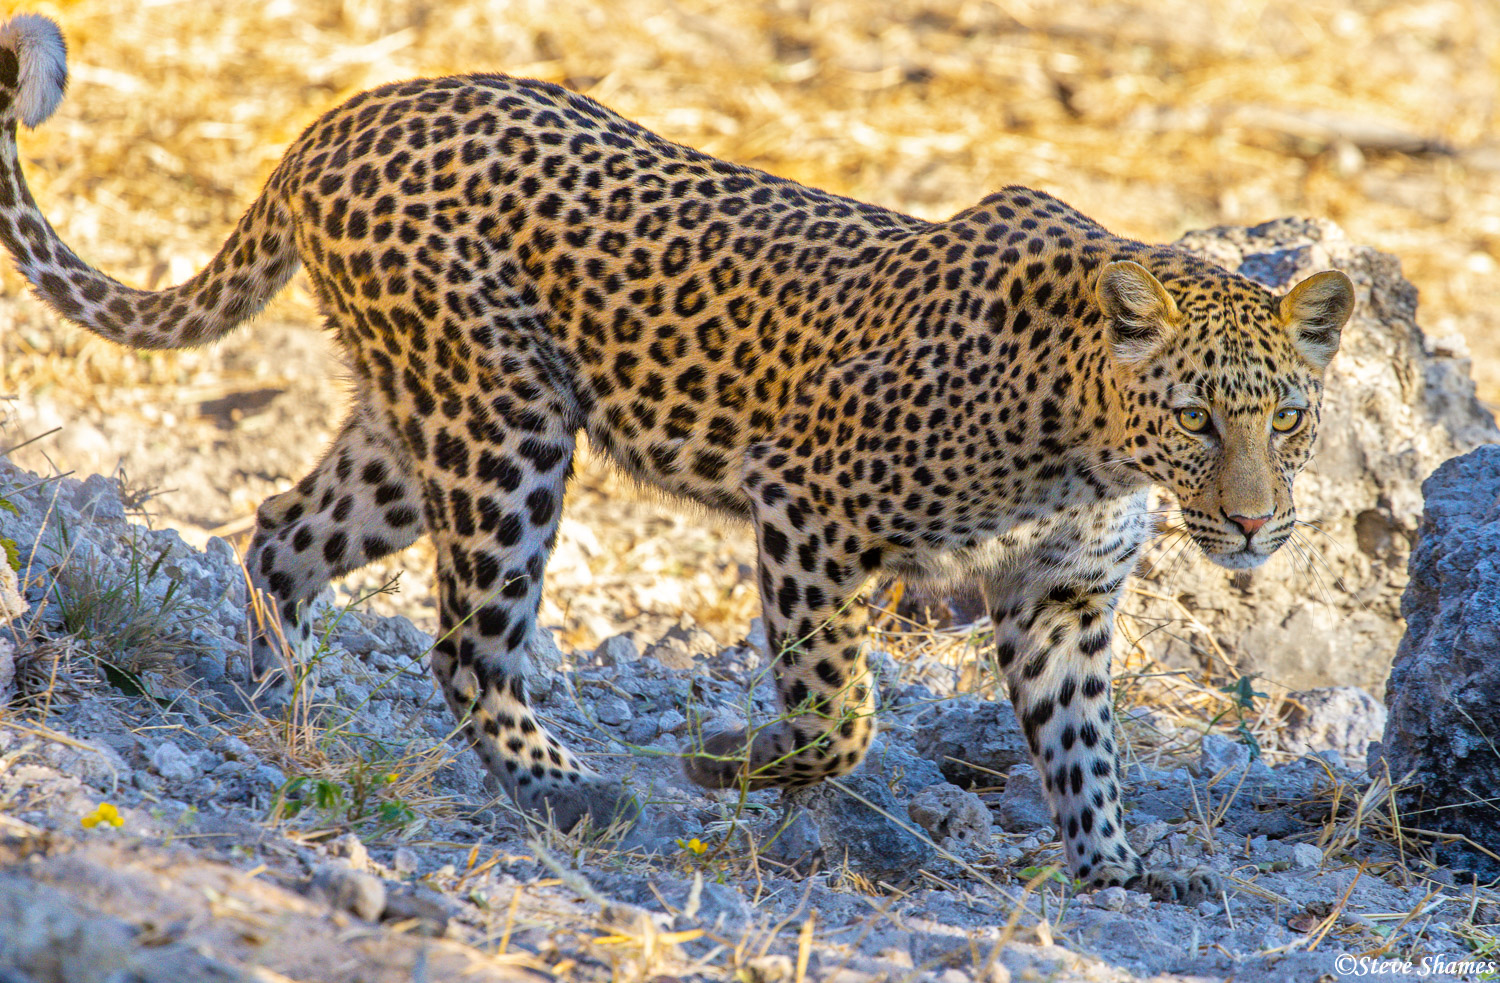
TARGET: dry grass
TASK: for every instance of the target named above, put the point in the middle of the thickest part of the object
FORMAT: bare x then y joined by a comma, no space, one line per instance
1154,117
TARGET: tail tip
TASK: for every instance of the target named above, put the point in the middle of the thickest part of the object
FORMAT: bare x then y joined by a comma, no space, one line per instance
33,68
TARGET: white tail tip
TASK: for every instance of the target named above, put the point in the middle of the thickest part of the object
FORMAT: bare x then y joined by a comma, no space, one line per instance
33,68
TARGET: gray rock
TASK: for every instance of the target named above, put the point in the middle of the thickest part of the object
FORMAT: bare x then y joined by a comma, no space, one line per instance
52,939
1111,899
1443,697
1345,719
953,817
1220,754
1306,856
98,500
1023,804
431,910
892,760
405,861
797,842
354,891
612,711
1325,611
717,907
682,648
972,741
870,833
7,664
617,650
171,763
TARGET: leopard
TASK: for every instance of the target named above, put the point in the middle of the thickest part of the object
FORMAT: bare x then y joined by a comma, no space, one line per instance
510,266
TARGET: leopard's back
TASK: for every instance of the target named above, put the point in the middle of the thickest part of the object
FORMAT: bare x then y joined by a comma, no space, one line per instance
673,300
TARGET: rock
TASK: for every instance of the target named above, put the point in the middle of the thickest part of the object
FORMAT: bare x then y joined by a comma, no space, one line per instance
52,939
354,891
697,902
12,604
892,761
613,711
797,842
404,860
171,763
1306,856
431,910
7,663
953,817
682,647
1220,754
1111,899
617,650
768,969
973,742
1443,698
871,836
1023,804
1325,611
352,849
1345,719
98,500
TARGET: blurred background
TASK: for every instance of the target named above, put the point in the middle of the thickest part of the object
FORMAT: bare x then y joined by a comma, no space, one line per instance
1152,116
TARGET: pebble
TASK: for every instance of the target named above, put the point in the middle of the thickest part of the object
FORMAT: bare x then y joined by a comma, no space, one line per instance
617,650
1111,899
404,861
353,891
171,763
612,711
1306,856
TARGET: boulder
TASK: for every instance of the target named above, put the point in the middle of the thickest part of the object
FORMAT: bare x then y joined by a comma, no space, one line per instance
1443,698
1345,719
1325,610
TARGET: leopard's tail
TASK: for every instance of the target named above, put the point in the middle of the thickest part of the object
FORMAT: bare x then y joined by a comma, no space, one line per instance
255,262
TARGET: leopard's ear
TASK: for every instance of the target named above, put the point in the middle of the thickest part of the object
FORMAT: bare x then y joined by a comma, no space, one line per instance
1315,312
1139,314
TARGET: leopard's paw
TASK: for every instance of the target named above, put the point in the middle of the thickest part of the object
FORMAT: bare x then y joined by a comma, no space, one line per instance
1187,887
591,801
1111,875
719,760
731,757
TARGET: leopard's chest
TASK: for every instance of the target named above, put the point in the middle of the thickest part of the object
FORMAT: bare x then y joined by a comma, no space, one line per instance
1076,535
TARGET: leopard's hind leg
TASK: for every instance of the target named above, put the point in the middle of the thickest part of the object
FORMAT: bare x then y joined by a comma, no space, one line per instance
493,480
360,503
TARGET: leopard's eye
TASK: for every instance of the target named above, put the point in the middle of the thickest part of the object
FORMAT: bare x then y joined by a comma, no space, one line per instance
1287,420
1192,419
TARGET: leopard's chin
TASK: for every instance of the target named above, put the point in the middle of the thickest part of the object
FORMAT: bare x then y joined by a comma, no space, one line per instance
1238,560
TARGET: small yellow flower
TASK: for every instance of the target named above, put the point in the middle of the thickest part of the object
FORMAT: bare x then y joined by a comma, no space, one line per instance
104,813
694,846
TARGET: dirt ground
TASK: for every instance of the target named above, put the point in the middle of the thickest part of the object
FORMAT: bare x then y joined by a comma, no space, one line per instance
1154,117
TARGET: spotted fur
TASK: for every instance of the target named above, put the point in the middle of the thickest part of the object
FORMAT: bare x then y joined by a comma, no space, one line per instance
509,264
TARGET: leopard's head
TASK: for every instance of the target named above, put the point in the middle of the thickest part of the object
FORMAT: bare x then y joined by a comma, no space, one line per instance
1220,384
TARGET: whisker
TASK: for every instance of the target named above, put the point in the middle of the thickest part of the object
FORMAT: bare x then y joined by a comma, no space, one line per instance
1321,532
1317,557
1310,556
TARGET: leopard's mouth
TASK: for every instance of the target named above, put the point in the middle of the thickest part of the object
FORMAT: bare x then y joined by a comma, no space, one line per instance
1233,551
1241,559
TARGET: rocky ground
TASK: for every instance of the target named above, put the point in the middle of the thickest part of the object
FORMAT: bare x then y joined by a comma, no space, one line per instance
149,820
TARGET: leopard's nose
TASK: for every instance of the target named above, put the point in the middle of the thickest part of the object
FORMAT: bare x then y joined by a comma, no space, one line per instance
1248,525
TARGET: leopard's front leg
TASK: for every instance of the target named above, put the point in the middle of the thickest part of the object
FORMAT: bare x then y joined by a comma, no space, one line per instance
816,618
1053,644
